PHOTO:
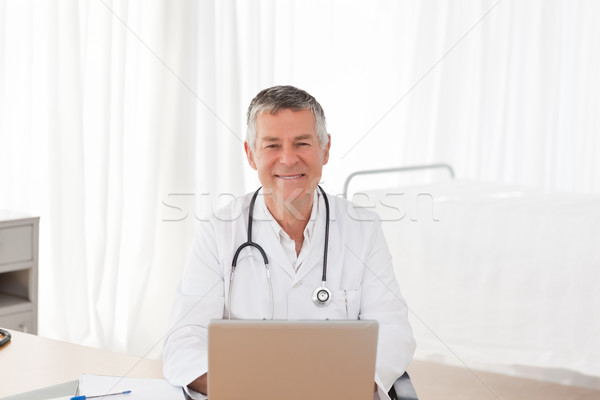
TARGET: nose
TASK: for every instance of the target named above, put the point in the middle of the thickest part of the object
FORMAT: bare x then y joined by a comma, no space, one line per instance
288,156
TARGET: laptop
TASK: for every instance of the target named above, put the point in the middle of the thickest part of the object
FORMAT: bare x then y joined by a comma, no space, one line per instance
292,360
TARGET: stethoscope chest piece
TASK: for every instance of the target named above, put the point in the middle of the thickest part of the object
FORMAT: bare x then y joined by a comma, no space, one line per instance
321,296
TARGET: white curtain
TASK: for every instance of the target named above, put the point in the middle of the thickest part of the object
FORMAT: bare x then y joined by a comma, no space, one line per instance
502,90
111,112
122,121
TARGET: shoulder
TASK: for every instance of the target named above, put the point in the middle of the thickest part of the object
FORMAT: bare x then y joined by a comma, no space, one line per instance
224,219
355,227
233,211
349,212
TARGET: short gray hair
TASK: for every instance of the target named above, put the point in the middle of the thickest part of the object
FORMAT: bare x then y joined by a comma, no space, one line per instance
278,98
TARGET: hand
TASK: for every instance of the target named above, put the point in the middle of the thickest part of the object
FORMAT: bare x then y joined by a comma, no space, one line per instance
199,384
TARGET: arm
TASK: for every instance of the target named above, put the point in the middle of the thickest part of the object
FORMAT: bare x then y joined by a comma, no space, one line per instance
381,301
199,298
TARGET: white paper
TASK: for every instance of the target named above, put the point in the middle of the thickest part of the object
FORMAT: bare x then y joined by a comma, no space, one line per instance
141,388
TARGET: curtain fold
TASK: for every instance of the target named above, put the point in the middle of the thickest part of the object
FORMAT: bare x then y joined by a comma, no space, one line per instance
109,109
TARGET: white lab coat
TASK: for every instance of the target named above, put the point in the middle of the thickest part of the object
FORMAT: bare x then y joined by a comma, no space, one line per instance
360,276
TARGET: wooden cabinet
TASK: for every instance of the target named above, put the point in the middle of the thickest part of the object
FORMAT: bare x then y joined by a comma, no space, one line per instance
19,272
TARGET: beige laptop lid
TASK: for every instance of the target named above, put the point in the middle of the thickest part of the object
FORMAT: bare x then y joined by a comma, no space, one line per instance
291,360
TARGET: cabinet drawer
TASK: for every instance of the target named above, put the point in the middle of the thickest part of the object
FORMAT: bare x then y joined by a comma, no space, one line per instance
16,244
22,322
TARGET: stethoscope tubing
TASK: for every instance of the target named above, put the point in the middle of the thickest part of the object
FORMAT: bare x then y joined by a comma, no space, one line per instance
321,295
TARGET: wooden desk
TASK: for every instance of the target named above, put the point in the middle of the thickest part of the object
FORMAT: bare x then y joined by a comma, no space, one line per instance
437,381
32,362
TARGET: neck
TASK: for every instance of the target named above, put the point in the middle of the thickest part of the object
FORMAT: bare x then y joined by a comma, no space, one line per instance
291,215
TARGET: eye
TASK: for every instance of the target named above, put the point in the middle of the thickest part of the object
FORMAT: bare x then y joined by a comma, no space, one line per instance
303,144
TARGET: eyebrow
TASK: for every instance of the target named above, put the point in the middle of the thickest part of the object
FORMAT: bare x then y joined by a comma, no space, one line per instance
269,139
303,137
276,139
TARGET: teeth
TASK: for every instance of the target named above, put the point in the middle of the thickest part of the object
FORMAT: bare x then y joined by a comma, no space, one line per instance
290,177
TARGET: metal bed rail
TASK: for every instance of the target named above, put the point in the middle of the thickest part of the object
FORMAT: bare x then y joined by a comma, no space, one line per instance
397,169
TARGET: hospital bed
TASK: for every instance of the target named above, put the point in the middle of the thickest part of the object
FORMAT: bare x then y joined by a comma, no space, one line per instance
497,277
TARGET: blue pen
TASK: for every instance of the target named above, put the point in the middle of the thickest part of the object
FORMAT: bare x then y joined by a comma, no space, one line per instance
98,396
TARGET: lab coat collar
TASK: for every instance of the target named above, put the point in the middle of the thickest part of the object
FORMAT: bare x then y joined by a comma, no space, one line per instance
268,237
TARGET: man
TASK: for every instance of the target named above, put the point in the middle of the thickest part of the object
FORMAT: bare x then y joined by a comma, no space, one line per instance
288,145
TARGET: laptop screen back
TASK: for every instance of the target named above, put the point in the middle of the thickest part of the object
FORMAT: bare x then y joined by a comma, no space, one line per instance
291,359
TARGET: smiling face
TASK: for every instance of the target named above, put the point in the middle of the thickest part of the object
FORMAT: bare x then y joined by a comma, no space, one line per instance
288,156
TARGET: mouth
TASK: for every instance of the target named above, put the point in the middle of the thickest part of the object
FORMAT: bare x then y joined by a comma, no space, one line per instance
290,177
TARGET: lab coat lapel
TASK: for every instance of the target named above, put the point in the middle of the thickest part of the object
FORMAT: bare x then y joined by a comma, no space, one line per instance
315,258
265,236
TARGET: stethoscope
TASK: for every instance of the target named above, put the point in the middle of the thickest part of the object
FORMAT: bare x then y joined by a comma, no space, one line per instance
321,295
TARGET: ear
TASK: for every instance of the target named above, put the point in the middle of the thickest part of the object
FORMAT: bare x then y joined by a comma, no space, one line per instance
250,155
326,151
